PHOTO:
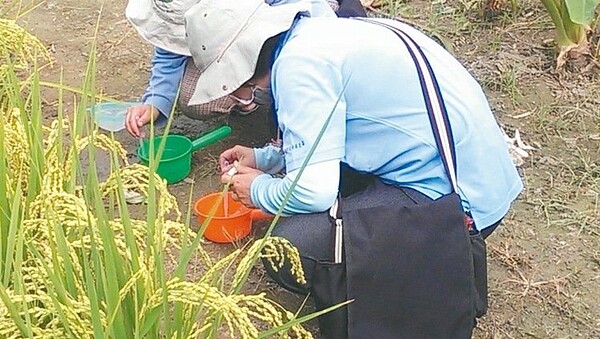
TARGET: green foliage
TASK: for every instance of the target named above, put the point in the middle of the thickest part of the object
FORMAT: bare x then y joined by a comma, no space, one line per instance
582,12
74,263
572,20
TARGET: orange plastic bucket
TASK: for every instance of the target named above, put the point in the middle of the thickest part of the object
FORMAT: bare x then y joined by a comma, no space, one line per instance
232,221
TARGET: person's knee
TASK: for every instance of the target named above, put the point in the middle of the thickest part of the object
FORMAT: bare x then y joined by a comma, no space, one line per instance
283,276
309,234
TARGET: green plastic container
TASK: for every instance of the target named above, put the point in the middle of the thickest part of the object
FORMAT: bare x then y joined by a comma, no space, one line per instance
176,160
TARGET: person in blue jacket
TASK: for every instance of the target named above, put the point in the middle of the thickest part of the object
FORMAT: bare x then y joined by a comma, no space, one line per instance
160,22
361,77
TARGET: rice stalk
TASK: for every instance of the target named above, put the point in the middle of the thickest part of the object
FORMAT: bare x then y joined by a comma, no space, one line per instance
74,270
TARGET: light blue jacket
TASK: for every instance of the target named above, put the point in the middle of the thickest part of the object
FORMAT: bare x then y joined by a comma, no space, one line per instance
380,124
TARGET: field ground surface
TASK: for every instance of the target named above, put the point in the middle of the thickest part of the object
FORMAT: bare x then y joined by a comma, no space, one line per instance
544,262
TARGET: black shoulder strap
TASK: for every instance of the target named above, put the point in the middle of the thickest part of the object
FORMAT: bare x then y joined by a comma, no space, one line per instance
436,109
438,118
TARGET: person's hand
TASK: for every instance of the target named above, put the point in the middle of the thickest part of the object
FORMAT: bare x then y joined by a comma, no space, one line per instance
239,183
242,154
138,116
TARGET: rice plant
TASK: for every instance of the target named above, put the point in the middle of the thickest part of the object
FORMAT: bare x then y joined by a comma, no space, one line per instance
17,45
75,263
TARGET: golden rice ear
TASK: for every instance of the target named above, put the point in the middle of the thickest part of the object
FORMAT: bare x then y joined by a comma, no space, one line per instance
19,46
277,250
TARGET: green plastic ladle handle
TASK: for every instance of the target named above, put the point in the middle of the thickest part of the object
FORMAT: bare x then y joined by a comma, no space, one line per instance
211,137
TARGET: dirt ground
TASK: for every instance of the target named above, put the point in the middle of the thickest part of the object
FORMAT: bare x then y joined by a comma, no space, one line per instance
544,262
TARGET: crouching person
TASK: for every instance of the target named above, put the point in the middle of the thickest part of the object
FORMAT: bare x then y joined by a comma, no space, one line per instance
377,98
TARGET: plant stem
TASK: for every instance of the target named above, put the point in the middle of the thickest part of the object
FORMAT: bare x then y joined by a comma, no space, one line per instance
557,13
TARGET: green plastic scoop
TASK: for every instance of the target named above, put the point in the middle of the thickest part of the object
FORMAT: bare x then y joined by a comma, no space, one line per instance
176,160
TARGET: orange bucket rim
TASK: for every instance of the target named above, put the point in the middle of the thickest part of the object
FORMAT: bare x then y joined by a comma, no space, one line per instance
241,212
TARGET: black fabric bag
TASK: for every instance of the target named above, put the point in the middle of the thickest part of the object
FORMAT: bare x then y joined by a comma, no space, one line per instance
329,288
411,271
329,282
350,8
479,251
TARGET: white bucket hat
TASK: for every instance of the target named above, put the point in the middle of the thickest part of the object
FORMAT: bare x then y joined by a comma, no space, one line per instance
160,22
225,39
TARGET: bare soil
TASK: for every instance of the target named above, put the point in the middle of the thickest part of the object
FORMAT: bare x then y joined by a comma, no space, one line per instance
544,262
